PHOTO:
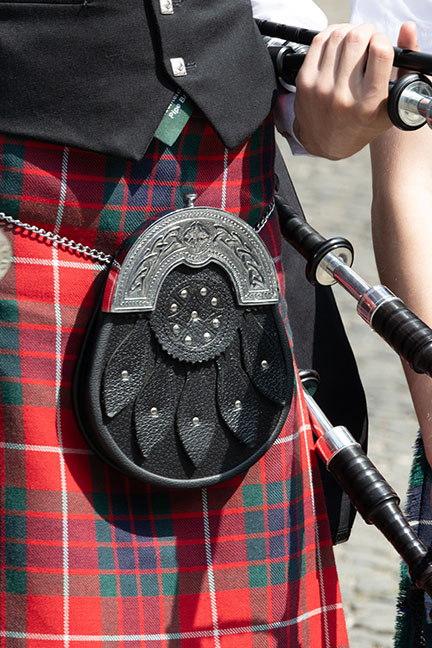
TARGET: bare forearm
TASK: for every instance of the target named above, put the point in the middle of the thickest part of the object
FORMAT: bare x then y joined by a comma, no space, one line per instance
402,234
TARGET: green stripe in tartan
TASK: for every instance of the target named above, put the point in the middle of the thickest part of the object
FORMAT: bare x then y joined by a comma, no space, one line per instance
106,558
8,311
13,154
149,585
16,582
275,492
15,499
11,393
108,585
256,549
170,584
406,623
16,526
10,180
258,576
278,574
252,495
168,556
10,338
15,554
10,365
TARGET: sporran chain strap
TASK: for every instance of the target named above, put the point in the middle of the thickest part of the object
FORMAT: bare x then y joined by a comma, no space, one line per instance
86,250
59,240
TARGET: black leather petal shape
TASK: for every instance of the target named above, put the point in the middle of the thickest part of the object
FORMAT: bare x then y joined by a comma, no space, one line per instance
197,416
154,411
128,368
263,356
242,407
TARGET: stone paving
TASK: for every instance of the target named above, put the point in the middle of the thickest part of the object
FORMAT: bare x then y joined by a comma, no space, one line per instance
336,199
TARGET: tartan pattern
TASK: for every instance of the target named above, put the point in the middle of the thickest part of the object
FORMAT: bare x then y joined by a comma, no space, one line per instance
413,623
88,556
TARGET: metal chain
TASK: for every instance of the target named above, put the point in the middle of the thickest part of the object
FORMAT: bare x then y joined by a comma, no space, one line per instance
59,240
86,250
262,222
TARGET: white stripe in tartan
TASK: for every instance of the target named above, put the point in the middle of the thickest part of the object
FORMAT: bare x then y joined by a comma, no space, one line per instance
210,573
291,437
57,309
61,264
264,627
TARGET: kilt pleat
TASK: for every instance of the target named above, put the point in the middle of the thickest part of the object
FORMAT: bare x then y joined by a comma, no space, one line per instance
89,557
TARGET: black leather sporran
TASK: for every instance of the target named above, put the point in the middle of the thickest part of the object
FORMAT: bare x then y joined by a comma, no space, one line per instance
185,377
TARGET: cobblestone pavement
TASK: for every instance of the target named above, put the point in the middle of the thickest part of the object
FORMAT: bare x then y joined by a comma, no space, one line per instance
336,199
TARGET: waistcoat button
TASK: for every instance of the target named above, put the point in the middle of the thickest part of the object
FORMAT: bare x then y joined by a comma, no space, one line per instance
178,66
166,7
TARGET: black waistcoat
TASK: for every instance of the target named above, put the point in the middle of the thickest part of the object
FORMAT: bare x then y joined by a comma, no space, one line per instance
98,74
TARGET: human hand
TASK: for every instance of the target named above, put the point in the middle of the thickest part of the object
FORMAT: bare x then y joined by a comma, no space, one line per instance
342,89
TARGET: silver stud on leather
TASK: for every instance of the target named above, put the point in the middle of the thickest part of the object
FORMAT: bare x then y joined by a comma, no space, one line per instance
216,322
195,421
174,308
237,405
184,293
214,301
203,291
154,412
264,364
125,376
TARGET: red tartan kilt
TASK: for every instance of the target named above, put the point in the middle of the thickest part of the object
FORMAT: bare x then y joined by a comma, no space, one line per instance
90,558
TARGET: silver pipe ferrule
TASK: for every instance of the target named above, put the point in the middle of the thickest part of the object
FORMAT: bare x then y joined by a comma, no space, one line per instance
333,441
351,281
372,300
414,103
325,272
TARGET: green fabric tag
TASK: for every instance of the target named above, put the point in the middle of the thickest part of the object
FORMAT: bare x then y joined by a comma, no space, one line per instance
175,118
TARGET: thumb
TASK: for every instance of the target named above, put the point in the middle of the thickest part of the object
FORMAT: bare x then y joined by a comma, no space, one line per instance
407,40
408,36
